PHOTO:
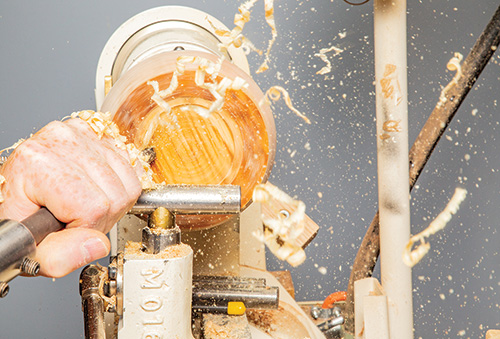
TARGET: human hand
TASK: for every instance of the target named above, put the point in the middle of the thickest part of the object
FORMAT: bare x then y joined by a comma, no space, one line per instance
86,182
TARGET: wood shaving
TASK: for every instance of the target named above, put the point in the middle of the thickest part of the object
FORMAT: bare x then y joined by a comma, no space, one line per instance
217,89
274,94
411,258
281,232
13,147
454,66
236,38
391,88
392,126
103,125
108,301
322,55
269,15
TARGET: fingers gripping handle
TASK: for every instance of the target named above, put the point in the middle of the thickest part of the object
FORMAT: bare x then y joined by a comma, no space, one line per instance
42,223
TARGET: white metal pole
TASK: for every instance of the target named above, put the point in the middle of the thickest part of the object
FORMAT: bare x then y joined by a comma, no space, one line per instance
392,160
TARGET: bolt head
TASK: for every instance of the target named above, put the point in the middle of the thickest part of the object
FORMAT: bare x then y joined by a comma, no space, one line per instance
112,271
4,289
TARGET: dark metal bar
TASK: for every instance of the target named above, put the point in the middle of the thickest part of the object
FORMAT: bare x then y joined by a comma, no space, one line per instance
42,223
228,282
259,298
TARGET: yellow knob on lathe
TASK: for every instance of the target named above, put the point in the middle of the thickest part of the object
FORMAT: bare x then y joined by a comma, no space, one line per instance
236,308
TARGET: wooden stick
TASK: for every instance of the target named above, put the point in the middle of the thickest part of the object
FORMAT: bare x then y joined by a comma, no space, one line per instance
421,150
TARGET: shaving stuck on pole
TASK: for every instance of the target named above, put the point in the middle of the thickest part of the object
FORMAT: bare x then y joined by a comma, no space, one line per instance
454,66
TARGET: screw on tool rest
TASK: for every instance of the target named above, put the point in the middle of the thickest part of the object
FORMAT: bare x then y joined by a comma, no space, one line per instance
4,289
318,312
18,242
332,327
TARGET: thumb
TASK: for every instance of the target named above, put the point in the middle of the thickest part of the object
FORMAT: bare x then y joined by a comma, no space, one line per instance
62,252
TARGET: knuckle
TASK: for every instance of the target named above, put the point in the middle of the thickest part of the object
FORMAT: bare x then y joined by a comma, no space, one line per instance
57,131
100,208
135,190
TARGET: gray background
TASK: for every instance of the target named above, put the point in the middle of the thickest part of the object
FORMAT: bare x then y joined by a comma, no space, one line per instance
48,56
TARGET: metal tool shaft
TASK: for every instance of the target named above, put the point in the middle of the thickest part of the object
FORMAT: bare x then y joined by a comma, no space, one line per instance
259,298
190,199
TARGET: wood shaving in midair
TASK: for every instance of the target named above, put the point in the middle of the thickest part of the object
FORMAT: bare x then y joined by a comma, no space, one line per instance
322,55
236,38
411,258
274,94
281,232
216,88
269,15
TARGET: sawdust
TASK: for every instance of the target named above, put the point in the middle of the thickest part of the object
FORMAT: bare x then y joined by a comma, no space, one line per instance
103,125
133,251
216,326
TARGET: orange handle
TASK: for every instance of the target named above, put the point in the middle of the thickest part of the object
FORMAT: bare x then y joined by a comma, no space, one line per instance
333,298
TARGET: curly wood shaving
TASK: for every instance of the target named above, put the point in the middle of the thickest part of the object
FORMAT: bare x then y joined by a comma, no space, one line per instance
454,66
217,89
322,55
248,47
411,258
269,15
234,37
103,125
13,147
274,94
108,301
237,39
281,232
